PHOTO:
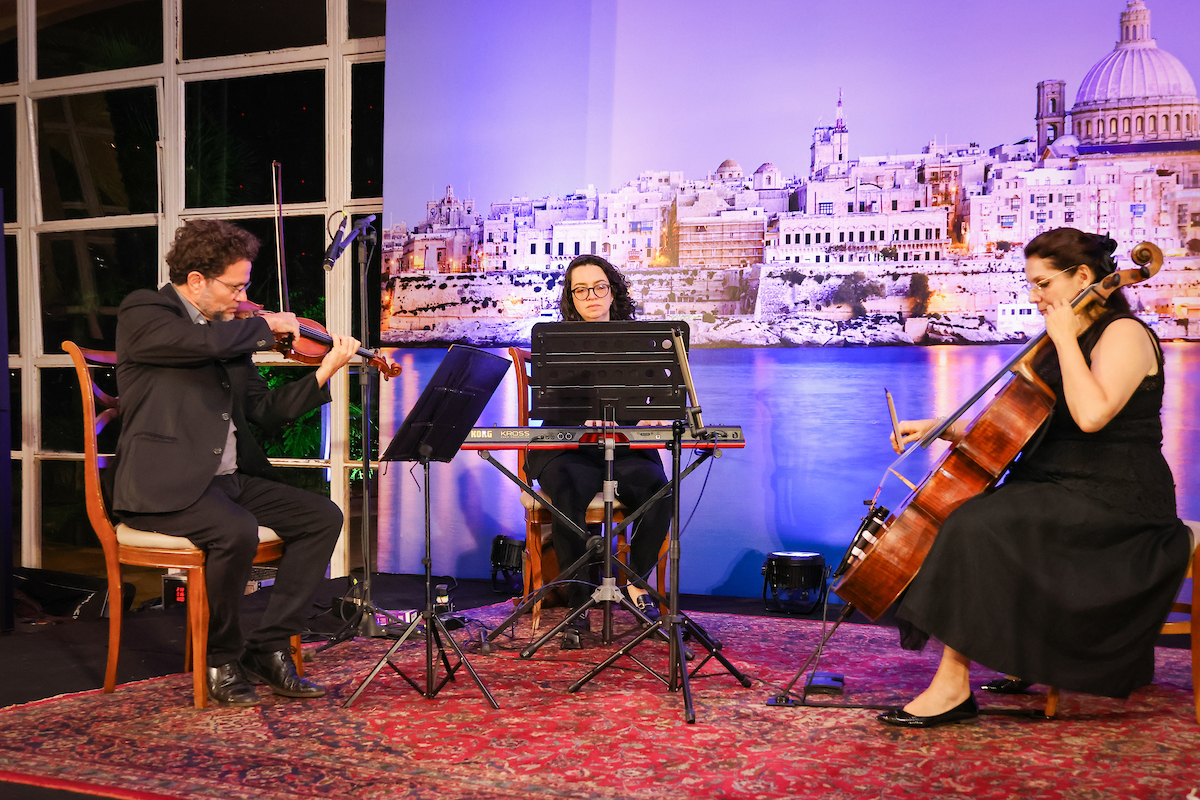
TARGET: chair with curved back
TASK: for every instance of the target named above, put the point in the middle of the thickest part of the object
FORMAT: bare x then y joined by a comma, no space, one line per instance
1187,626
124,545
538,519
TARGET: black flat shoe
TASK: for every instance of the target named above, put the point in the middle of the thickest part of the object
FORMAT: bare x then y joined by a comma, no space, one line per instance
645,604
1007,686
277,670
966,712
228,686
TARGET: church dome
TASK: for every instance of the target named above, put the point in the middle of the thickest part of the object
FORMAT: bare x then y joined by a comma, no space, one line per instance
729,169
1135,71
1137,93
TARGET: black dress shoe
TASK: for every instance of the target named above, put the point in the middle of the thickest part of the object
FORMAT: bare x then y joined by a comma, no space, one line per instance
965,712
1007,686
572,635
227,686
277,670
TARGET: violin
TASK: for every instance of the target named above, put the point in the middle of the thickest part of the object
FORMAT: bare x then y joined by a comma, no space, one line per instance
888,550
314,343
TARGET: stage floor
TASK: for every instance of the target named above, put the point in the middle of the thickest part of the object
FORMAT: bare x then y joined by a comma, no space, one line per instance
621,736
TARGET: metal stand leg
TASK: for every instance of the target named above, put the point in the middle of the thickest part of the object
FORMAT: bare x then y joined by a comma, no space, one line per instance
784,698
678,677
435,633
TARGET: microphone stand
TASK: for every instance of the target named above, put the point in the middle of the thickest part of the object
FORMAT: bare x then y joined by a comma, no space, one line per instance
363,622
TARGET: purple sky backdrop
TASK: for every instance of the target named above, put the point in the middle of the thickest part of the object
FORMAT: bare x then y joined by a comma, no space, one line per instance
536,97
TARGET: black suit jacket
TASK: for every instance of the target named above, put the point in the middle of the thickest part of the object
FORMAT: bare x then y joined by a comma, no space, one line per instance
180,383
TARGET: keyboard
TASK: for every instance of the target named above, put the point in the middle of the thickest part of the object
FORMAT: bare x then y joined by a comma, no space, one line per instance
638,438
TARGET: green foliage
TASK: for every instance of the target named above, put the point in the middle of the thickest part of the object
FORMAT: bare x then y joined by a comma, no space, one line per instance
918,290
854,290
889,254
1003,247
300,439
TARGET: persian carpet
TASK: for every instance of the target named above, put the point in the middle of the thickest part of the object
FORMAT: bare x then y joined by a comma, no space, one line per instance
621,736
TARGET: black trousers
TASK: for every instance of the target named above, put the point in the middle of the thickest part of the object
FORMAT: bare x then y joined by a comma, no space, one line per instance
224,523
573,478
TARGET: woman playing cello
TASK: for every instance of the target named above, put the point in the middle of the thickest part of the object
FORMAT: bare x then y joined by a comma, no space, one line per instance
1063,574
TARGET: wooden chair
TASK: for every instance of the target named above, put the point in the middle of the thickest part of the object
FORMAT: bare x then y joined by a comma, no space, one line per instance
124,545
1183,626
537,518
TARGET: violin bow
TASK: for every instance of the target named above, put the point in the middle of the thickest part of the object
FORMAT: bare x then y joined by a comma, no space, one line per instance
277,191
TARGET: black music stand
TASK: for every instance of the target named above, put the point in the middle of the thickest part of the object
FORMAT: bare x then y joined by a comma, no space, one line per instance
433,431
616,371
630,370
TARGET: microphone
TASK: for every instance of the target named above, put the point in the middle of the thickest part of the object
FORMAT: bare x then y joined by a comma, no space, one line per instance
336,246
359,228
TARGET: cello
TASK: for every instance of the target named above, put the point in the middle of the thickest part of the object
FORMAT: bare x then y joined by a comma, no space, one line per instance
888,549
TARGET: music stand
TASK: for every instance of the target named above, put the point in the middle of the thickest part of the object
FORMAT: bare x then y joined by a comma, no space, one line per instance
433,431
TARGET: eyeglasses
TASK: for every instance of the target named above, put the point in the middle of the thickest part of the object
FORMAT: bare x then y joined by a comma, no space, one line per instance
581,292
236,288
1043,283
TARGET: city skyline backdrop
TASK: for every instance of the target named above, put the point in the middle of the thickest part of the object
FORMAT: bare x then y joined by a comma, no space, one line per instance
537,97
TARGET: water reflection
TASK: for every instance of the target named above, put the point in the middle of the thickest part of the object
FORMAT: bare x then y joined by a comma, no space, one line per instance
816,424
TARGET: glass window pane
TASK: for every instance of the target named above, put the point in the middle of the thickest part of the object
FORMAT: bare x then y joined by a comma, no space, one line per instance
367,18
97,153
8,159
235,128
10,289
62,415
310,479
366,130
84,277
68,542
374,292
14,403
354,443
207,28
8,41
303,438
93,37
303,251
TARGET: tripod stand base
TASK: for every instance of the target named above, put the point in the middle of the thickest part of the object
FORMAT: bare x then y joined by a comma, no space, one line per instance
435,635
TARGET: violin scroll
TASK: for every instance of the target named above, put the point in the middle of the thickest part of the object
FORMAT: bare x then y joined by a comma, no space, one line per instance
387,369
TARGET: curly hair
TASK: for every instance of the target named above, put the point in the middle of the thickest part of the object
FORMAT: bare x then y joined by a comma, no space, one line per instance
208,246
622,303
1068,249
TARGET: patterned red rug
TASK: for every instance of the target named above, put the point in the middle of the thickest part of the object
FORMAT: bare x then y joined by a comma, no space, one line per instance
621,736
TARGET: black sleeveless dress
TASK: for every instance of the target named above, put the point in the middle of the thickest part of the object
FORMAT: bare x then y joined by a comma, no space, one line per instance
1065,573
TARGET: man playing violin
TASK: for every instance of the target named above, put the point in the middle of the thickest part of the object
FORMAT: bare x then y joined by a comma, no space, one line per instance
1065,573
187,464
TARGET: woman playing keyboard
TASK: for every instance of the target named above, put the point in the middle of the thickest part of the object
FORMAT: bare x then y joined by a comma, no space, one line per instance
595,291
